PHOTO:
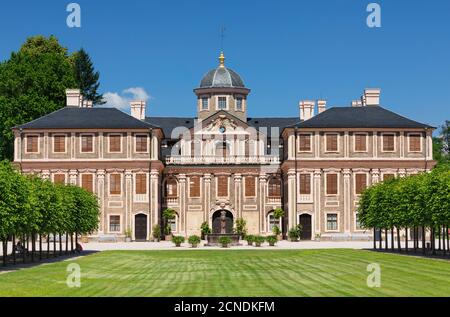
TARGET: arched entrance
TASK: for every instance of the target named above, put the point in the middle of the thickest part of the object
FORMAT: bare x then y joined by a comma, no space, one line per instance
222,222
305,222
140,227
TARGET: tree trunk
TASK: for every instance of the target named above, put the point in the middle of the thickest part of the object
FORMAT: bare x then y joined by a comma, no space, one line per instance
392,239
447,235
406,239
433,240
423,241
439,231
399,242
5,250
386,246
40,247
60,244
54,246
71,242
24,253
48,245
76,241
33,246
14,249
67,243
374,238
380,242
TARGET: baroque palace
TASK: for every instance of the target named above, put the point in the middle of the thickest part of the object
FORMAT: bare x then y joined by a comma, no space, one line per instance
224,162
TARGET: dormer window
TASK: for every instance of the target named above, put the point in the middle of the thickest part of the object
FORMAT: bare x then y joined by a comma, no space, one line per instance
239,104
205,103
222,103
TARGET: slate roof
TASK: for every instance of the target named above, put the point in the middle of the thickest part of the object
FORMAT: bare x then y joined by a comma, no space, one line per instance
86,118
359,117
221,77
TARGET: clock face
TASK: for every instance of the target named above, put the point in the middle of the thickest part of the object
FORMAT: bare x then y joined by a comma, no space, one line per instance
222,129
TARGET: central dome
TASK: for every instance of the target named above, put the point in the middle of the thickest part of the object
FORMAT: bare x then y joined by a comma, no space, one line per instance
222,77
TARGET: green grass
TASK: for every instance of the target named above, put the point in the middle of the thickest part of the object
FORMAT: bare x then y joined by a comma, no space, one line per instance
234,273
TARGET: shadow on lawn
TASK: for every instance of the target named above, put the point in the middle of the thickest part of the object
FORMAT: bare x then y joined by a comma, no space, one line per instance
418,253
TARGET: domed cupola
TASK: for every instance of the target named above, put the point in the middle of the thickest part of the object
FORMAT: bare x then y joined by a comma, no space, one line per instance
222,77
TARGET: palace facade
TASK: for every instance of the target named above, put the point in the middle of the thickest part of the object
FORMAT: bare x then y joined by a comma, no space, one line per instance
313,166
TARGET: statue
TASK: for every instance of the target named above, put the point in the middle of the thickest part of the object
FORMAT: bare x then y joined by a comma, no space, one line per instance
223,222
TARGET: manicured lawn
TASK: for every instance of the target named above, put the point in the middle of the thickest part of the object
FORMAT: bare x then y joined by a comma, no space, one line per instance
234,273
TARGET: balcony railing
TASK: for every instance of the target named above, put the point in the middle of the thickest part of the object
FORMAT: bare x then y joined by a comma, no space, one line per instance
274,200
207,160
171,200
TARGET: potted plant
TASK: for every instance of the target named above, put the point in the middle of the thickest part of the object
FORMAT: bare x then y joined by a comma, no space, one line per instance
278,214
294,234
224,241
272,240
277,232
194,241
205,230
128,234
177,240
240,228
258,240
249,239
156,233
168,214
318,236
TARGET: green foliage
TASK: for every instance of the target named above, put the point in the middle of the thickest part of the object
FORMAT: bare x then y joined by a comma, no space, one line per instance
224,241
294,233
205,229
86,77
156,232
241,228
259,240
276,230
272,240
128,233
194,240
249,238
278,213
177,240
169,214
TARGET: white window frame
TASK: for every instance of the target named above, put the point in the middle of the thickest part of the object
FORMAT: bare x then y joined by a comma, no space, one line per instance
176,223
242,104
109,185
382,142
109,142
354,222
421,142
189,186
268,221
65,143
227,108
217,186
338,140
135,143
93,142
338,184
146,183
120,223
93,180
38,143
337,221
178,187
367,142
311,177
201,103
354,181
310,142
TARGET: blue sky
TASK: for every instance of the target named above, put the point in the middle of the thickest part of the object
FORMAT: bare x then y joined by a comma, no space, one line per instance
284,50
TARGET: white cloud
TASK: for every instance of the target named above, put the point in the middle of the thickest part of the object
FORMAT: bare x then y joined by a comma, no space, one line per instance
122,100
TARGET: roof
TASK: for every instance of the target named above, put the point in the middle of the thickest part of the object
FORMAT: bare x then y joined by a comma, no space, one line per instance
359,117
86,118
221,77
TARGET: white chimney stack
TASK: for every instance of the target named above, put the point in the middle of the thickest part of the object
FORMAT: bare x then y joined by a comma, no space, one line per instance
138,109
356,103
372,96
306,109
73,98
321,106
87,104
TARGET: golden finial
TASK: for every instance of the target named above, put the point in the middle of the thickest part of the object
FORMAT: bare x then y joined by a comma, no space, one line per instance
222,59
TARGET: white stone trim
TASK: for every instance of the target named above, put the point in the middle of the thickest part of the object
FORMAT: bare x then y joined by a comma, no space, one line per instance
65,143
80,141
135,143
108,228
382,141
109,142
409,139
338,141
338,183
337,221
121,184
367,142
38,144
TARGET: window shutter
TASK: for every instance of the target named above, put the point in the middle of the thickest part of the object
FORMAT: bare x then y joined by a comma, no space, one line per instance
86,182
32,143
332,142
361,183
141,143
141,184
414,143
332,183
305,184
86,143
59,178
305,142
114,143
114,186
222,186
250,189
59,143
171,188
360,142
194,186
388,142
274,187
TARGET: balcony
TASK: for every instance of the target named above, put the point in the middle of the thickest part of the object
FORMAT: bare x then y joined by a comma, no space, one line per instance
274,200
170,201
305,198
221,160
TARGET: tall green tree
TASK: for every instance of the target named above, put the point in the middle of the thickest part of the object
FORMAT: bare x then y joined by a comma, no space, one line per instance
86,77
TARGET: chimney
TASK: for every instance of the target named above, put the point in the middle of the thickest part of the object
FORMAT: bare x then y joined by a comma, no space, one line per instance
306,109
321,106
87,104
356,103
372,96
73,98
138,109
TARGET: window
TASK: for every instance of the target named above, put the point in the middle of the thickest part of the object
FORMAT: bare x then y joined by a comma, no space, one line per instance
332,222
305,184
357,222
87,183
332,142
205,103
114,143
141,143
114,223
222,186
250,188
274,187
415,141
115,187
222,103
332,184
388,176
141,184
59,143
194,186
360,142
273,222
32,143
360,183
388,142
305,142
171,188
173,223
222,149
59,178
86,143
239,104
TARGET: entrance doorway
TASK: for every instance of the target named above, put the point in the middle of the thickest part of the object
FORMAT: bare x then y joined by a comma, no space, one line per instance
140,227
222,220
305,221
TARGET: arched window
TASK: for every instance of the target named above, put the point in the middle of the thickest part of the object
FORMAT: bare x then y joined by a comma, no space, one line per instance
172,223
274,187
222,149
272,222
171,188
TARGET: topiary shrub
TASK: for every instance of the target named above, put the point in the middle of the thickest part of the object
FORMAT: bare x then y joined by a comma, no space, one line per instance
224,241
259,240
177,240
272,240
194,241
249,239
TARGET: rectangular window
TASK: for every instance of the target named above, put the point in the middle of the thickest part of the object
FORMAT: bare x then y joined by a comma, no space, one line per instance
141,143
332,223
388,142
114,223
360,183
360,142
222,186
87,143
250,188
32,143
173,224
357,222
239,104
115,187
114,143
222,103
332,142
194,186
305,142
86,182
59,178
141,184
305,184
332,184
415,142
388,176
205,104
59,143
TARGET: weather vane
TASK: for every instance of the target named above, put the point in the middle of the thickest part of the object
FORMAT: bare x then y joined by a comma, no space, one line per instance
222,36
